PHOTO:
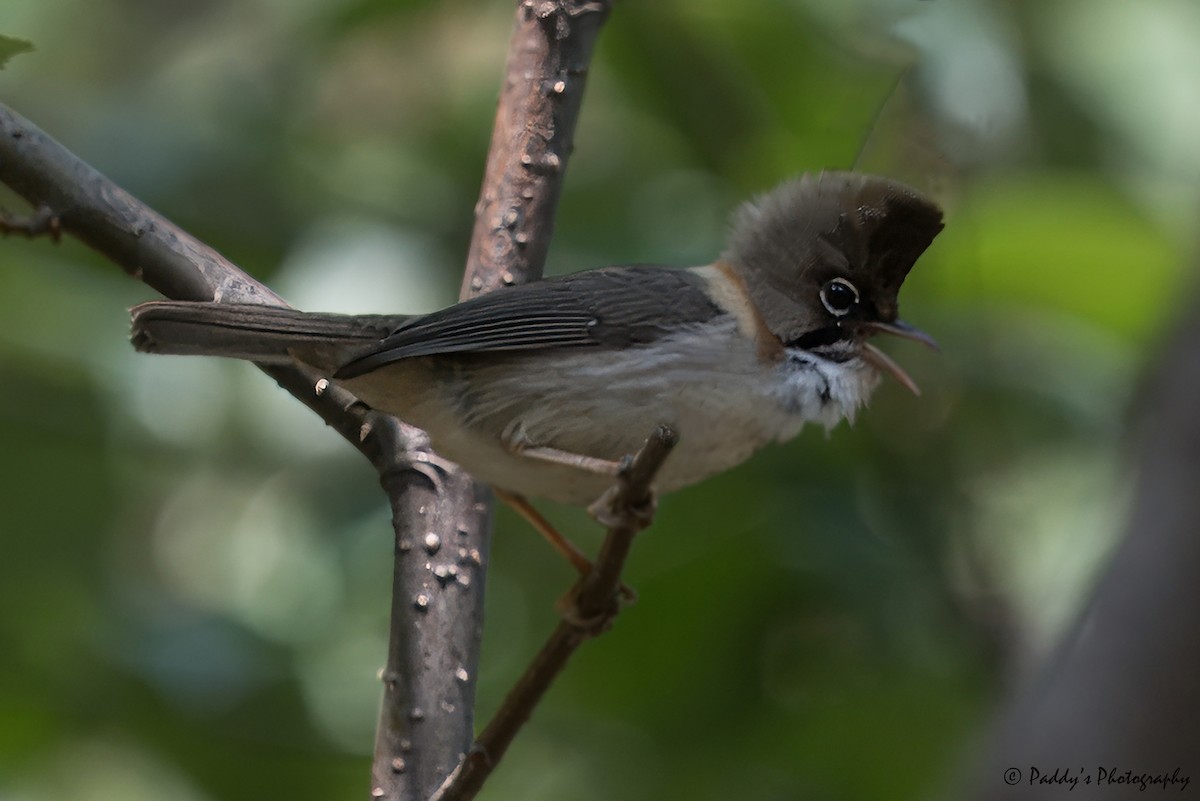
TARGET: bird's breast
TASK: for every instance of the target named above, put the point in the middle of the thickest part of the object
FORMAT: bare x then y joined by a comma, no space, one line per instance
707,382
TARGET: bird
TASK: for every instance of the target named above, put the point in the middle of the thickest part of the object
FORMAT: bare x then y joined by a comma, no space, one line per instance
540,389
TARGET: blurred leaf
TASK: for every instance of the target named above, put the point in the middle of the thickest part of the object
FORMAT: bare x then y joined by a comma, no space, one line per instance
10,47
1063,242
829,620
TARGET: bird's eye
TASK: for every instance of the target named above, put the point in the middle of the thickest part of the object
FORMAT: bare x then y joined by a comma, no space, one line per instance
839,296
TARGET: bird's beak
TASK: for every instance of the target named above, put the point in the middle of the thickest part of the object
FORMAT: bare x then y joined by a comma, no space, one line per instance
903,330
881,361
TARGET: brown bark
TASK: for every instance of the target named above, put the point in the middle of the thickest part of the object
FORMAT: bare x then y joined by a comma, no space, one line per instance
433,646
539,103
441,518
548,57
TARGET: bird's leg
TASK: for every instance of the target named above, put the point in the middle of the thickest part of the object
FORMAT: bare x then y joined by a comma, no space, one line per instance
591,464
518,443
567,549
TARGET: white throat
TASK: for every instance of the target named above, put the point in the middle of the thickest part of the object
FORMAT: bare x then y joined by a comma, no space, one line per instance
824,391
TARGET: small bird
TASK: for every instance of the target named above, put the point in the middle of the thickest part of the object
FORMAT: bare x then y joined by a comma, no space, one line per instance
540,389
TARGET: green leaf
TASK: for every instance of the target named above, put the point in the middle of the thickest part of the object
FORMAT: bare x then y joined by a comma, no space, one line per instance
10,47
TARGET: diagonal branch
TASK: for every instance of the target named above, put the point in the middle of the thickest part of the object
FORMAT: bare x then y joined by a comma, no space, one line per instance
544,78
589,610
425,721
99,213
436,726
151,248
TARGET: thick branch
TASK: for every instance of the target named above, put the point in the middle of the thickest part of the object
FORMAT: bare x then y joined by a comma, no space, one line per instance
548,58
101,214
425,640
423,717
539,104
441,518
535,121
589,610
150,247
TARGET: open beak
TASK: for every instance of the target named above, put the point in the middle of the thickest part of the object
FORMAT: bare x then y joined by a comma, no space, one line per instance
903,330
881,361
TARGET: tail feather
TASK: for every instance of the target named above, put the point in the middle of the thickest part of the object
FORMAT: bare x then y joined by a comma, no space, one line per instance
267,334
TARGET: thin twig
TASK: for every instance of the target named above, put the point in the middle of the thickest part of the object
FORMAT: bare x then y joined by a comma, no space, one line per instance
590,609
43,222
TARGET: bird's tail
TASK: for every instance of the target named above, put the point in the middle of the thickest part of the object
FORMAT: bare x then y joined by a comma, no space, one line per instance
265,334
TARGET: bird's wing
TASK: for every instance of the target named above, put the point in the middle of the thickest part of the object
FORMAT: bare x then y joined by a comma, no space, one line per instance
617,307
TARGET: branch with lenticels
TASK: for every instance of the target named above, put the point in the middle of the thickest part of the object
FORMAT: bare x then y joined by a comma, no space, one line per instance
440,516
429,679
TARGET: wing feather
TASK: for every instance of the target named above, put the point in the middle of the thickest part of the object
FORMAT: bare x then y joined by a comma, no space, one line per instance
616,306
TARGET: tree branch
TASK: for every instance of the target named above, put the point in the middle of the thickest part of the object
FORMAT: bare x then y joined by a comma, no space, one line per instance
102,215
426,719
433,656
544,77
550,48
154,250
439,516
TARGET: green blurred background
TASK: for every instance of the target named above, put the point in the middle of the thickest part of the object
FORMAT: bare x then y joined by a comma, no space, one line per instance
194,571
